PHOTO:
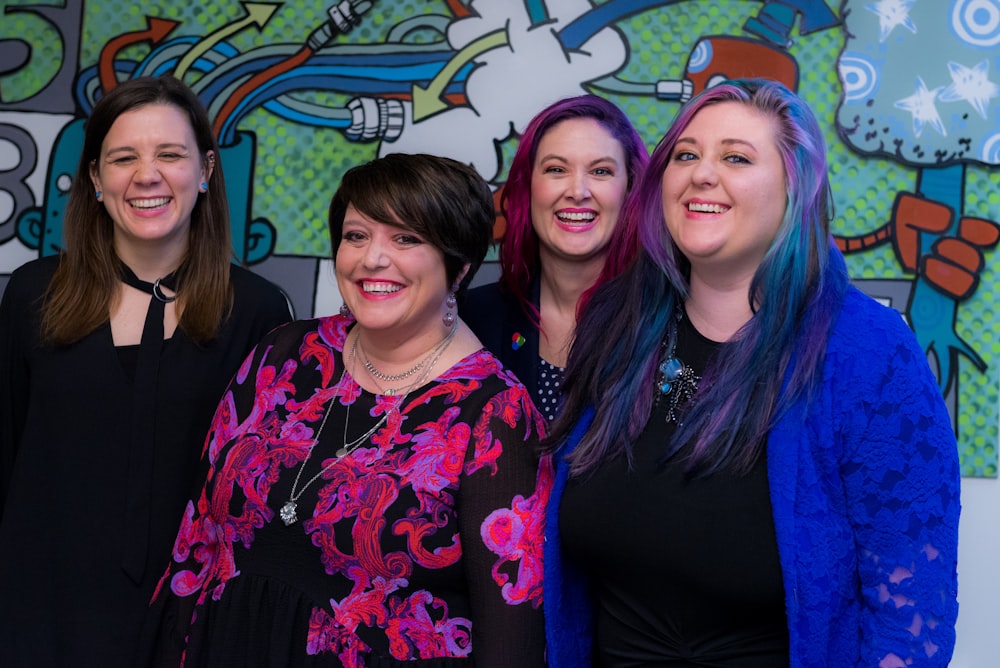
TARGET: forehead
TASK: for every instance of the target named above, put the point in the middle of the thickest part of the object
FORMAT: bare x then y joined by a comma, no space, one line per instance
161,122
579,136
732,120
354,215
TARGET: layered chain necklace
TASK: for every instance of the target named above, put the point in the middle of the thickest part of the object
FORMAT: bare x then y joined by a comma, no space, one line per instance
677,382
288,512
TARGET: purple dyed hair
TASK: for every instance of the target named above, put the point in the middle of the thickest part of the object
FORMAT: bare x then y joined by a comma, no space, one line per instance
519,261
772,361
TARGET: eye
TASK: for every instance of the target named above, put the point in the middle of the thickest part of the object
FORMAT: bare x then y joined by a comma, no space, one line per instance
352,236
738,159
123,160
170,156
553,169
604,171
683,156
408,240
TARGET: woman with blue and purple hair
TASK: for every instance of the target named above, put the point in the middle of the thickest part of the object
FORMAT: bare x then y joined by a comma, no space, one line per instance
575,164
755,466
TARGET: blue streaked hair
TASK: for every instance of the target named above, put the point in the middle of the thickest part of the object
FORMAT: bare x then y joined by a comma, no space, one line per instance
774,359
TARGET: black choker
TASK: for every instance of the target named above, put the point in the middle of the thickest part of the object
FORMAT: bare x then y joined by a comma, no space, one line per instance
169,281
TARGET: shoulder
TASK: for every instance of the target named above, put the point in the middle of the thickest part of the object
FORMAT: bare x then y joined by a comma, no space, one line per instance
492,378
298,336
876,369
245,280
489,312
29,281
483,303
252,290
36,271
867,327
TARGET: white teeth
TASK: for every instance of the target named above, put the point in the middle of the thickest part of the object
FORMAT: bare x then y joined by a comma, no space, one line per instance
380,287
707,208
582,217
150,203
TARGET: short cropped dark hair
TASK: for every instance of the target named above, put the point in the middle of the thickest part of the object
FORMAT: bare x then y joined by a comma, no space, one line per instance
444,201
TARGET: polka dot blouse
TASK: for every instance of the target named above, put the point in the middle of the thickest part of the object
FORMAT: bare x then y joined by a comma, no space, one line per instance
549,382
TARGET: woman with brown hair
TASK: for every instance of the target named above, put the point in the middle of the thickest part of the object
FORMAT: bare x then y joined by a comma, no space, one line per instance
112,358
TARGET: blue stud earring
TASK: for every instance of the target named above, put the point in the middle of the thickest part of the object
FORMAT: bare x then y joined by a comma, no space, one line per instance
204,187
99,194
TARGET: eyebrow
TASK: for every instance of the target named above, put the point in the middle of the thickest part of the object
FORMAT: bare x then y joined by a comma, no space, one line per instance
595,161
159,147
725,142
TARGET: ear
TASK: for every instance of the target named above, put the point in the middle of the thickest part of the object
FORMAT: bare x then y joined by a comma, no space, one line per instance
208,167
95,177
461,275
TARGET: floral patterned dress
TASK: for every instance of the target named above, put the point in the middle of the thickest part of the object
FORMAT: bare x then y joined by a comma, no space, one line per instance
422,547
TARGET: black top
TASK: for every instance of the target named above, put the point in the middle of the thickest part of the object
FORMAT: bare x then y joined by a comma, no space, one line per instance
497,319
684,571
64,433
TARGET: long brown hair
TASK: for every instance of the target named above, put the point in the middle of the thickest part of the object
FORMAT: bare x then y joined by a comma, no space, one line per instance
86,285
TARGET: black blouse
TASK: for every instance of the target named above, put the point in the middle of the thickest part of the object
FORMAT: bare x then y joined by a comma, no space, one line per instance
684,571
64,434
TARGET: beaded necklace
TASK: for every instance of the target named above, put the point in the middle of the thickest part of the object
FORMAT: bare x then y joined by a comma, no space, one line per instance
676,381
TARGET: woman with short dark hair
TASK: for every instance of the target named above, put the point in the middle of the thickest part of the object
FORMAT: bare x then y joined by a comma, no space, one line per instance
371,494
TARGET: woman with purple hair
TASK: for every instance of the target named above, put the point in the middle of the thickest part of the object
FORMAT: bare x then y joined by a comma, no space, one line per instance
755,466
573,168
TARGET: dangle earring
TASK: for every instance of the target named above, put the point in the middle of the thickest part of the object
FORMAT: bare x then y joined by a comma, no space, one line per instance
450,302
345,311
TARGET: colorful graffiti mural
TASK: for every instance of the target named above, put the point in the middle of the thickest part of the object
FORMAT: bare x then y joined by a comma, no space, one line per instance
299,91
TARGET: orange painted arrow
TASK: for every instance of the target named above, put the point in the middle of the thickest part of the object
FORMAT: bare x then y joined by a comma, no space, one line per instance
156,30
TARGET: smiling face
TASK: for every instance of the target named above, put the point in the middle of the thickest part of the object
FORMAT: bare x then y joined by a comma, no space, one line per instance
149,175
391,278
724,190
578,184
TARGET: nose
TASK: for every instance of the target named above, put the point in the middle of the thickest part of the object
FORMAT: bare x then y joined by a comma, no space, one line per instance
579,187
704,173
147,171
375,256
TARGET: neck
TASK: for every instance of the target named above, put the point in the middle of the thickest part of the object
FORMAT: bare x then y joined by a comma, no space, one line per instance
562,282
150,263
718,308
392,356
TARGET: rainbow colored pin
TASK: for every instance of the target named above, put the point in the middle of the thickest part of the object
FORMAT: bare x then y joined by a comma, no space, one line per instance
516,341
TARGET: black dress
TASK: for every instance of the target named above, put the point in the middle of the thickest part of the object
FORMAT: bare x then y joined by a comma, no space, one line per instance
64,438
684,570
421,547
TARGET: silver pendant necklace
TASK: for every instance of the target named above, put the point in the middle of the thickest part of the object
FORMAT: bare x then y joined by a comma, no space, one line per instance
288,512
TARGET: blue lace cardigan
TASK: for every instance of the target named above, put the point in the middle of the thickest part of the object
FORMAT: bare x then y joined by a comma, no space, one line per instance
864,487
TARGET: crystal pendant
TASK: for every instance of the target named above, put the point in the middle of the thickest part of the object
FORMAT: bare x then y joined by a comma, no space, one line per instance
670,370
287,513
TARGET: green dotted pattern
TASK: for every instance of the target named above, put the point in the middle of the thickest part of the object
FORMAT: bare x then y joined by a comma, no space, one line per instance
298,167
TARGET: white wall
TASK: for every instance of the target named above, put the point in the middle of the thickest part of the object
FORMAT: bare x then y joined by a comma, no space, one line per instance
978,643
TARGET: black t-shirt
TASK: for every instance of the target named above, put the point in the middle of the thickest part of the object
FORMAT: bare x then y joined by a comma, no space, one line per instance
684,572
